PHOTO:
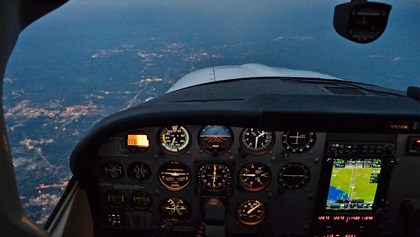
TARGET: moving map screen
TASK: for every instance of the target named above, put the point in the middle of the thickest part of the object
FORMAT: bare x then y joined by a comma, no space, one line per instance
353,184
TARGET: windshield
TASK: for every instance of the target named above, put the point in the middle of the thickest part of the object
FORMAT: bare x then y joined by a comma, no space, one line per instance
85,61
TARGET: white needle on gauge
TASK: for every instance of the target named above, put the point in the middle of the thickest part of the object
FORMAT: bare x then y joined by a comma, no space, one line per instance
252,209
214,175
248,175
257,138
294,175
174,173
297,138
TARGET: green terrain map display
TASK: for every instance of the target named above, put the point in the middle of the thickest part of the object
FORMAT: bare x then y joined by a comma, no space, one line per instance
357,183
353,183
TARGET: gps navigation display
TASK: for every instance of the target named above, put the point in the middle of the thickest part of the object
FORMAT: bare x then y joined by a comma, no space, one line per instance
353,184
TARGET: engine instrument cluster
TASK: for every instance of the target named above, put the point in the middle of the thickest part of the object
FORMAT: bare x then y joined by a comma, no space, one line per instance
180,173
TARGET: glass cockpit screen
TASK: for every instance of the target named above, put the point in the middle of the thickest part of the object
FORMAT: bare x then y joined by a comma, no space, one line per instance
353,184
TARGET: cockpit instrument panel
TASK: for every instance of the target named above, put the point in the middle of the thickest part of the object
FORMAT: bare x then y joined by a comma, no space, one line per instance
304,180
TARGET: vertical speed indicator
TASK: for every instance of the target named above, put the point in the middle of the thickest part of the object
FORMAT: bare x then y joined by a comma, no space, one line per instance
254,177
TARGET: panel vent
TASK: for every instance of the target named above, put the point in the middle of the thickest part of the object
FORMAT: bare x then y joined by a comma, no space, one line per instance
343,90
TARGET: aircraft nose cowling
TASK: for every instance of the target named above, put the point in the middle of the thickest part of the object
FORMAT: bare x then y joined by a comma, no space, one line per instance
252,70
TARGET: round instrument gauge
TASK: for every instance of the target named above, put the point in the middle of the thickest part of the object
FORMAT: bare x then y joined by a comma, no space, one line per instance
174,176
298,142
115,199
251,212
141,200
215,139
256,141
139,171
214,178
112,170
176,210
174,140
254,177
294,176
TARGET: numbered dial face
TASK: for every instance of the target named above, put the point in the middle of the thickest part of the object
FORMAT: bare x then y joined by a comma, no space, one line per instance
139,171
176,210
174,139
254,177
141,200
251,212
174,176
294,176
298,142
115,199
215,139
256,141
215,178
112,170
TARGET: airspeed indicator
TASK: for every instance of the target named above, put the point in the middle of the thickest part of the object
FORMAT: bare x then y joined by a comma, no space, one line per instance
174,139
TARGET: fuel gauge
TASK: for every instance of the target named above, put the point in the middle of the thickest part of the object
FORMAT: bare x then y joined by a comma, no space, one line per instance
115,199
139,171
175,209
141,200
